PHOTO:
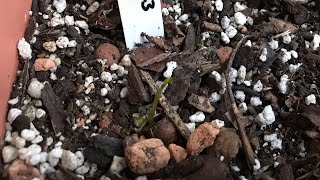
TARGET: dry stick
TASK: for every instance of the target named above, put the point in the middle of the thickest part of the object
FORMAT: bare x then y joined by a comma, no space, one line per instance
168,109
237,114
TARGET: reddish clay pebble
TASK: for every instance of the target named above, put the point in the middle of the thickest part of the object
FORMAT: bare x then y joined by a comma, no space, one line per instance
43,64
224,54
147,156
19,170
201,138
109,52
177,152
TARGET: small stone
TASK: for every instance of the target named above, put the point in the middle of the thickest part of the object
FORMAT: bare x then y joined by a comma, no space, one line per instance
83,169
164,125
43,64
69,160
18,142
118,164
40,113
126,60
108,145
19,170
37,140
9,153
178,152
227,144
147,156
109,52
224,53
201,138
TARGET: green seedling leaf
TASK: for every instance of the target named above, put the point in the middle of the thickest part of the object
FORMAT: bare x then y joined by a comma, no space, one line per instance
141,121
154,105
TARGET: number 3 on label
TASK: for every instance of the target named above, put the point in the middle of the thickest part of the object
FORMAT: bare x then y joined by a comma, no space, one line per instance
145,6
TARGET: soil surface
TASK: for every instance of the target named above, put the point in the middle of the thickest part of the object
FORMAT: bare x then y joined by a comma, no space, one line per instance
230,92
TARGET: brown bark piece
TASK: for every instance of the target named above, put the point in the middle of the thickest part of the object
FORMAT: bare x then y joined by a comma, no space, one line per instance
53,105
136,91
201,103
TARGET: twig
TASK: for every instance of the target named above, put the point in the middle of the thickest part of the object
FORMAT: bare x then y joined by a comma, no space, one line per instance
236,113
168,109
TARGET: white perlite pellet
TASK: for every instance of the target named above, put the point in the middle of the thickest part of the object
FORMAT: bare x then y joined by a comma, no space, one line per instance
28,135
56,20
257,166
286,39
231,32
124,92
218,123
225,38
92,8
37,140
25,153
62,42
273,44
9,153
34,88
165,11
258,86
239,7
106,76
243,107
171,66
215,97
255,101
82,24
219,5
315,42
126,60
24,49
197,117
60,5
240,18
54,156
183,18
69,20
275,142
263,56
191,126
240,95
311,99
225,22
283,84
13,114
241,74
266,117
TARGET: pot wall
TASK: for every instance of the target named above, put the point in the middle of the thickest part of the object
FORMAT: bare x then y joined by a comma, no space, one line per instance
13,18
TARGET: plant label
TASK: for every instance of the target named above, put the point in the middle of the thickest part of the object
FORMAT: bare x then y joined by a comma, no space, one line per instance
139,16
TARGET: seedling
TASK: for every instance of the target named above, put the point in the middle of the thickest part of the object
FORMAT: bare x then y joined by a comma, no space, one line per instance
141,121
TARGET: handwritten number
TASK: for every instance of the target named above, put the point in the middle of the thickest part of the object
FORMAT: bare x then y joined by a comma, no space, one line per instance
148,6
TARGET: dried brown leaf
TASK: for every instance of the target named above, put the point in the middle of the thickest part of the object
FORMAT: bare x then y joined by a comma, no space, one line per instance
313,134
312,112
